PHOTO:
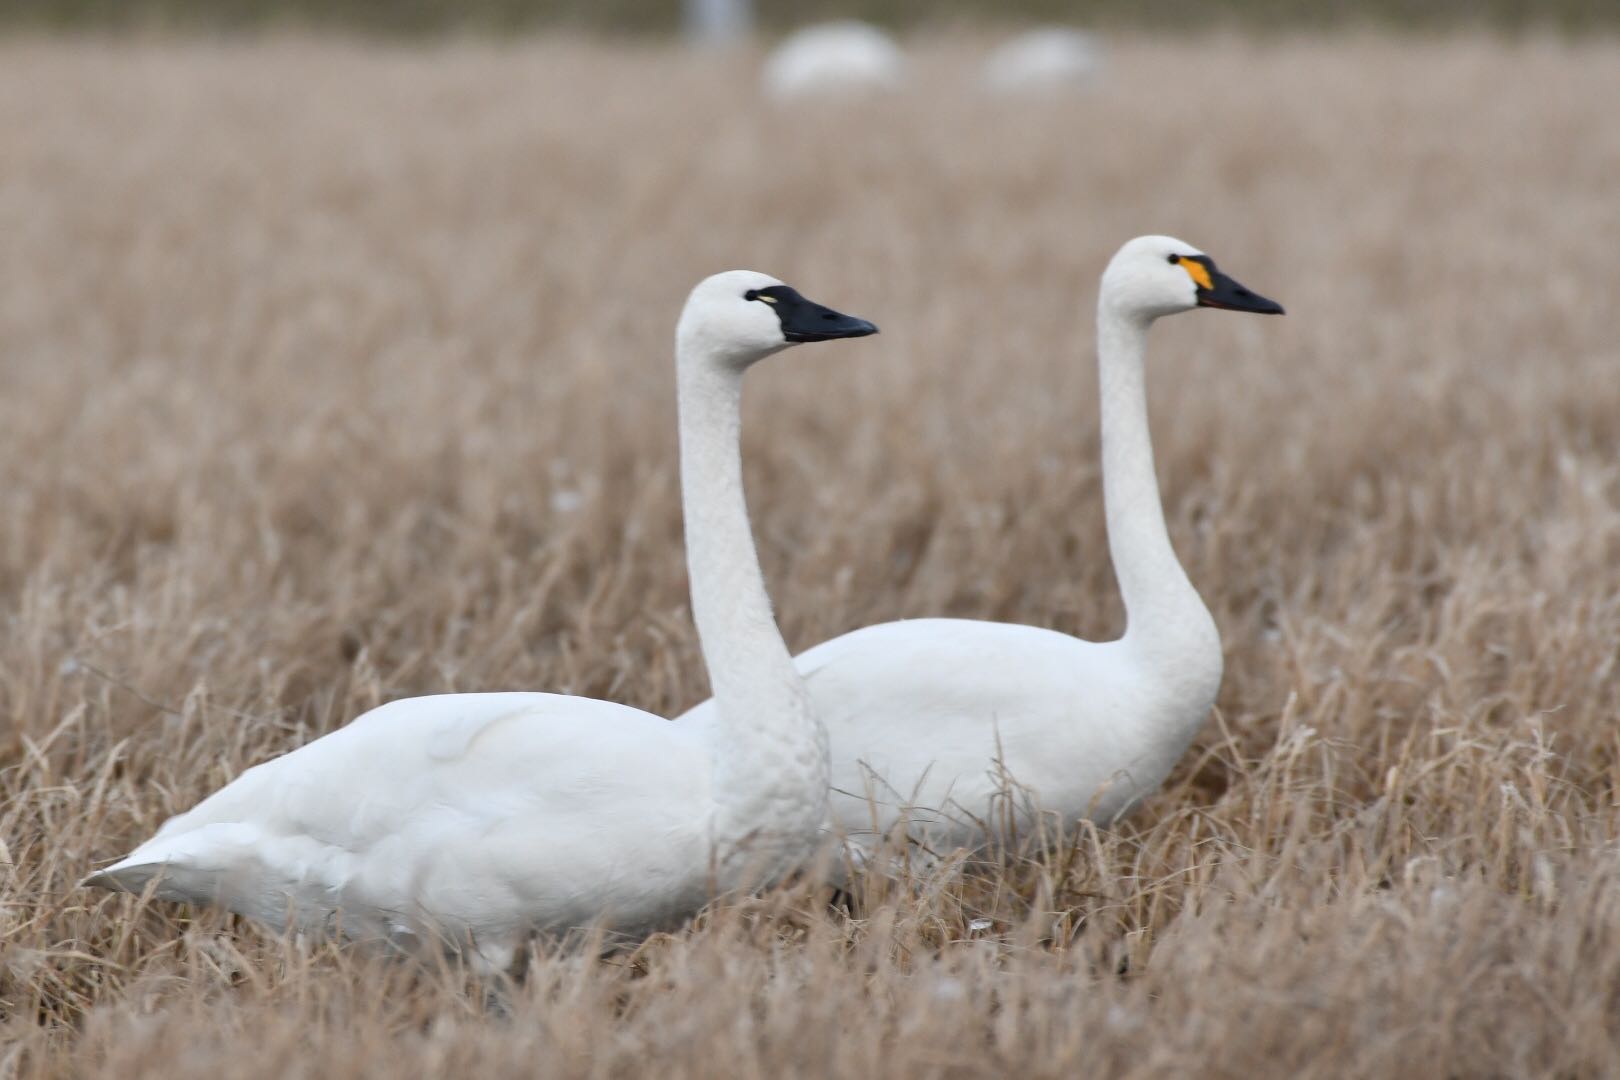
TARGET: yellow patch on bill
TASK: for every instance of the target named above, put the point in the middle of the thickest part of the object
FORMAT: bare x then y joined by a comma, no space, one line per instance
1197,271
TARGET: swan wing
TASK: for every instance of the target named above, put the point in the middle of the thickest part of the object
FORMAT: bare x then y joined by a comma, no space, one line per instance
933,719
478,812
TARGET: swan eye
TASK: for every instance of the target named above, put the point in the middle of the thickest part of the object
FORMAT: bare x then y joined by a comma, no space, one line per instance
755,294
1173,259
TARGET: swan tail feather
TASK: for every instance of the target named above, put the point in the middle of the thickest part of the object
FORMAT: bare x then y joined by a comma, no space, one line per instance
192,865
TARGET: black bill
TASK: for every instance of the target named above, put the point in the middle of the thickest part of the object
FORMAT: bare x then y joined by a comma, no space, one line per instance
1219,291
806,320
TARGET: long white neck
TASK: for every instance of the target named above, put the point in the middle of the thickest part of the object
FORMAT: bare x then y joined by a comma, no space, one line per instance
1166,621
770,751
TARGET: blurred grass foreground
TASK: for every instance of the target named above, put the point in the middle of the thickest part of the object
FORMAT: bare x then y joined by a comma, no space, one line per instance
662,16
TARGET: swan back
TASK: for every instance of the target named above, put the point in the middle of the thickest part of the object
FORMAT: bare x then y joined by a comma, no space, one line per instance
835,58
1051,58
478,814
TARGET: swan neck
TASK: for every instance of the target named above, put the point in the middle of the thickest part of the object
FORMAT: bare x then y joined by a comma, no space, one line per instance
769,750
1158,596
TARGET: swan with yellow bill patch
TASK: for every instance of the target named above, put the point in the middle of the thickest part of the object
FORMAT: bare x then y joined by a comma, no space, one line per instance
941,726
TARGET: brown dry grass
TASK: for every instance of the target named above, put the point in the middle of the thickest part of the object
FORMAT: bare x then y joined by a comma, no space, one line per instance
307,350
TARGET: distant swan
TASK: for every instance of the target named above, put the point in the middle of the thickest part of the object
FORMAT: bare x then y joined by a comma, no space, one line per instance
840,58
929,719
475,819
1052,58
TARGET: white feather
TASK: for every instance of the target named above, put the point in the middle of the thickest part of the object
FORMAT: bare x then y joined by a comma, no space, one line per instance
1052,58
931,722
844,58
477,818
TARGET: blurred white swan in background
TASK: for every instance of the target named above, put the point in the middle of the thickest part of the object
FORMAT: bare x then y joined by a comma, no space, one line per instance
476,819
833,59
930,720
1051,58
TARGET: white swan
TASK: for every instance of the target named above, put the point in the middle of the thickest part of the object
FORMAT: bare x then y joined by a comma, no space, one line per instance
477,818
836,58
1051,58
930,719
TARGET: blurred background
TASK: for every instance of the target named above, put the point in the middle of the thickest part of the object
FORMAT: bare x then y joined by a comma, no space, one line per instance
664,16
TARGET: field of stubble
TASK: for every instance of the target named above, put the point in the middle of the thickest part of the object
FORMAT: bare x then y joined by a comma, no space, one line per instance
331,374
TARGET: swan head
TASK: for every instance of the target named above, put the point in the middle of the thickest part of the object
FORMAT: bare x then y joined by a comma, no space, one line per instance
739,316
1160,275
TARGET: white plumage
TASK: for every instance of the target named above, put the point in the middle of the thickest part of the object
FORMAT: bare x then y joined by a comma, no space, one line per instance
474,816
474,819
1052,58
835,58
931,720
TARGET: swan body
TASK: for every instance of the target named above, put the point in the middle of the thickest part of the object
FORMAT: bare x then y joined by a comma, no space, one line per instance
1042,60
836,58
1070,721
469,812
946,725
475,819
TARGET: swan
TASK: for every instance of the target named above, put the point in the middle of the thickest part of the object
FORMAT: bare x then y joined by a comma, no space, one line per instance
475,819
846,57
935,722
1047,59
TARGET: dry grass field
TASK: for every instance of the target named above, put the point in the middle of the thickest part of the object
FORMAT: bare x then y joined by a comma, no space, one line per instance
333,373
